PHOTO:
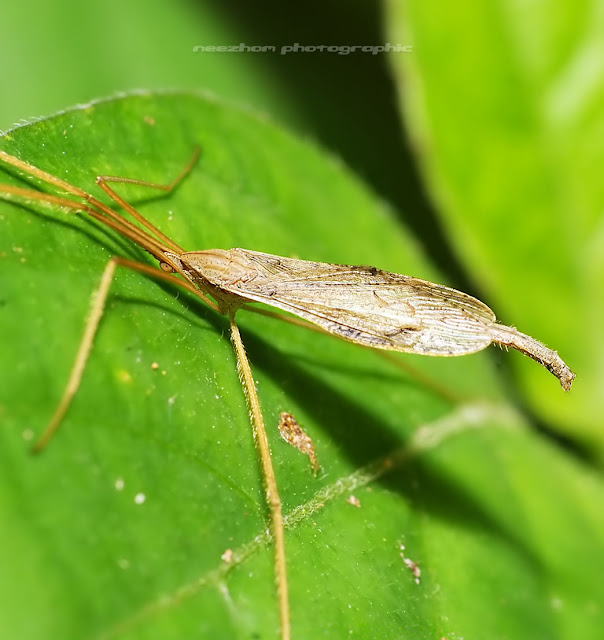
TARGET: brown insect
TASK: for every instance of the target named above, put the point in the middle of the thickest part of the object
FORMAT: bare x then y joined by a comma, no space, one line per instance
365,305
360,304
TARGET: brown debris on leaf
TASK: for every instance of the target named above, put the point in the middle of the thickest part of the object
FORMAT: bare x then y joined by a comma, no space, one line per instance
293,433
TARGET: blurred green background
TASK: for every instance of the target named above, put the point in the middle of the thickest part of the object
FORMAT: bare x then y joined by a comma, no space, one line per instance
486,137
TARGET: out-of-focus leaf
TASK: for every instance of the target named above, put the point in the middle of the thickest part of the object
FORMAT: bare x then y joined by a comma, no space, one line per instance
505,103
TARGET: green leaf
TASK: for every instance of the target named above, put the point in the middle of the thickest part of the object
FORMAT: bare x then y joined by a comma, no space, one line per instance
118,528
505,102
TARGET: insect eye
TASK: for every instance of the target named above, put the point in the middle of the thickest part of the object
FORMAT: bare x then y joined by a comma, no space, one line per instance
164,266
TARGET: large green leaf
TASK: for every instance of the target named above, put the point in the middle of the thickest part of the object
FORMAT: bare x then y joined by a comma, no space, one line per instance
504,102
505,527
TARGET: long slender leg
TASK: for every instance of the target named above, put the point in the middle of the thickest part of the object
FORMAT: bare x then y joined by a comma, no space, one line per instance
110,217
272,494
30,170
103,181
106,216
92,324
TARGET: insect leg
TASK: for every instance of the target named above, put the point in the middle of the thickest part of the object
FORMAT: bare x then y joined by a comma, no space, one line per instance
272,494
29,169
92,324
103,182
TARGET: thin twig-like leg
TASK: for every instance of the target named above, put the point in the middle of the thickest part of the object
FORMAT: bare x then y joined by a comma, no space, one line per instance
167,187
30,170
29,194
272,495
92,324
103,181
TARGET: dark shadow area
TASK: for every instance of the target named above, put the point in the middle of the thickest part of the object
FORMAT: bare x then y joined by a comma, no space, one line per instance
349,101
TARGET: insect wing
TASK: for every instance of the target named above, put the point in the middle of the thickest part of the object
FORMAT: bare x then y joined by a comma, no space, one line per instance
368,306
